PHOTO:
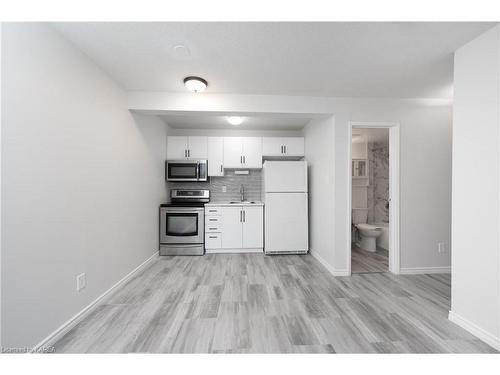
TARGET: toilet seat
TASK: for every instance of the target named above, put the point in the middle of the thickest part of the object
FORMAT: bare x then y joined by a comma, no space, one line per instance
368,227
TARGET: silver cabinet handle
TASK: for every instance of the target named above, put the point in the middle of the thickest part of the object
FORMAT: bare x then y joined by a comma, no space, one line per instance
281,148
244,216
212,219
185,153
212,236
212,228
221,168
284,149
241,159
189,153
241,216
244,160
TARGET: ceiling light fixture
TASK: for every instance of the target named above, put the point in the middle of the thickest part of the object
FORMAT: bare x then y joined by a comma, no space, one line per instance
195,84
235,120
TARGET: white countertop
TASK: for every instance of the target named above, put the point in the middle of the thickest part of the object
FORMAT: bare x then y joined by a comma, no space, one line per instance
237,203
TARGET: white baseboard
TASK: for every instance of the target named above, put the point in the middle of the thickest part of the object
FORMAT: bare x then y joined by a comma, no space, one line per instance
52,338
423,270
233,251
477,331
330,269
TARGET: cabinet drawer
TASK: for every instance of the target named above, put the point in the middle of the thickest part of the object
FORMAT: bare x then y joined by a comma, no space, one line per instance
212,211
212,220
212,228
213,241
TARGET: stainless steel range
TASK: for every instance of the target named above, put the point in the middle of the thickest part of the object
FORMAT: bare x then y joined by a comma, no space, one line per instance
182,223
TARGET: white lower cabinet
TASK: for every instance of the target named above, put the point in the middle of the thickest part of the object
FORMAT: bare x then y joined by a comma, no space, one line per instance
253,228
234,229
231,228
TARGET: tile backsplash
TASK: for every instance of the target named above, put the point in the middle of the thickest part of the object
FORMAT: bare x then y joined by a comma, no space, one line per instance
252,182
378,190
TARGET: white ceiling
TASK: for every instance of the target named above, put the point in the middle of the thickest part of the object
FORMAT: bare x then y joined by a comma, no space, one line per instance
319,59
204,121
380,135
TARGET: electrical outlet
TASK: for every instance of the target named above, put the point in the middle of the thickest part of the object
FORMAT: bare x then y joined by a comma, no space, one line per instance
81,281
224,189
441,247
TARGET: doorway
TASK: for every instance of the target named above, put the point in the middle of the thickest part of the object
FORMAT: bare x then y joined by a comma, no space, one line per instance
373,244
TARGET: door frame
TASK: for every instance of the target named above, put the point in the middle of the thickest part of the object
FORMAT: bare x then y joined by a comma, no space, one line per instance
394,190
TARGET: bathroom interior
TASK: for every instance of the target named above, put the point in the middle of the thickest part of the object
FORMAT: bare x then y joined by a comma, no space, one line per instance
370,200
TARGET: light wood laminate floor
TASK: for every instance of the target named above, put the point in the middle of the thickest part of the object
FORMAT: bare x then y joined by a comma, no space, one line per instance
363,261
251,303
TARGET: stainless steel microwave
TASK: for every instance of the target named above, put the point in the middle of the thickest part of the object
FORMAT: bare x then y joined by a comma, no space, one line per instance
186,170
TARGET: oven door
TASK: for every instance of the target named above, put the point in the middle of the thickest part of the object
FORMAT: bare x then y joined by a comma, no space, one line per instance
182,225
186,170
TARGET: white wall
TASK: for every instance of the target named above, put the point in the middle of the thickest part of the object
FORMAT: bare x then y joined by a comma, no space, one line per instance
476,250
82,179
319,138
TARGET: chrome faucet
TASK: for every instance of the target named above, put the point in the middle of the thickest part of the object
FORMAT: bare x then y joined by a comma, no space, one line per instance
242,192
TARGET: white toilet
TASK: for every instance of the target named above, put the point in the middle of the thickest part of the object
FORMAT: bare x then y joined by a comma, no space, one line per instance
368,232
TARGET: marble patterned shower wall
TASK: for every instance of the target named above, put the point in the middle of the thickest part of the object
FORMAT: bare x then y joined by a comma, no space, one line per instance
251,182
378,190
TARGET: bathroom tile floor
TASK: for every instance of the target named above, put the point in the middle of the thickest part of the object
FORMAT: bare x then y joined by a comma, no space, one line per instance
363,261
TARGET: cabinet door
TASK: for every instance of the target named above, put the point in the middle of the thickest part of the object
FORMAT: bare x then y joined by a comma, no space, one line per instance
215,156
293,146
233,152
231,227
253,227
197,147
360,168
177,148
359,150
272,146
252,152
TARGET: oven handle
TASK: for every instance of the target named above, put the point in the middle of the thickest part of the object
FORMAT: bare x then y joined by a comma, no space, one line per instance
181,209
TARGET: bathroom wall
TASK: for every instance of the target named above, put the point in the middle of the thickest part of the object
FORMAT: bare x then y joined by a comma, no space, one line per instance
252,183
378,190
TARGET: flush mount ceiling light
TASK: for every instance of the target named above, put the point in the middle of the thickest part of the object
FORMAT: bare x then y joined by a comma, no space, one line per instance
195,84
235,120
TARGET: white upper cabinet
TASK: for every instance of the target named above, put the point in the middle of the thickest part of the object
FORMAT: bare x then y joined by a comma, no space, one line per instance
359,150
242,152
215,156
272,146
283,146
197,148
181,147
177,148
294,146
233,152
252,152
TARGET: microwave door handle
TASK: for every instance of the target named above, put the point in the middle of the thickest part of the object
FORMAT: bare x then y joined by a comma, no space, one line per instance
198,167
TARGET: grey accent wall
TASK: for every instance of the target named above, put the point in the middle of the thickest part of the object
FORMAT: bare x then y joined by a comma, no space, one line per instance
378,190
251,182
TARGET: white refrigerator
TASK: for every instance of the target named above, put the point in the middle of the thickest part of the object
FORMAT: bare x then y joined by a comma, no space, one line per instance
285,209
